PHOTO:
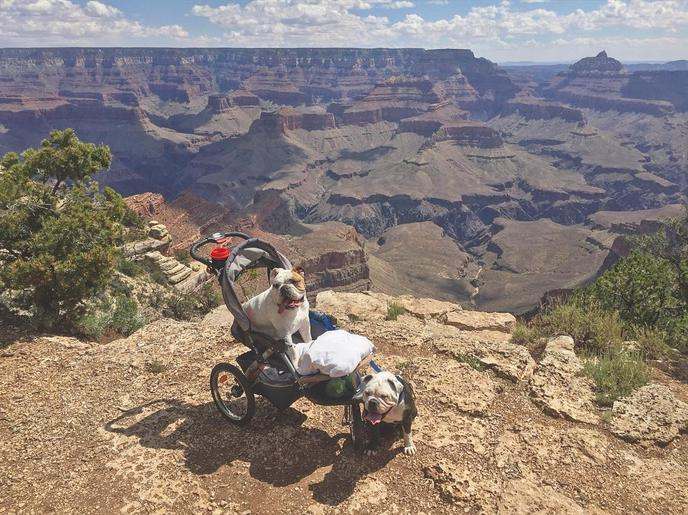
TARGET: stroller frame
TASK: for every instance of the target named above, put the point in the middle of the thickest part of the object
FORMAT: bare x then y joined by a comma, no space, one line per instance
229,383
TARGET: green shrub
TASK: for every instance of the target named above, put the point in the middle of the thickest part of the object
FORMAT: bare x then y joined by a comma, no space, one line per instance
641,287
183,256
113,318
181,307
652,342
125,317
593,328
209,297
677,332
155,272
530,336
187,306
471,361
394,310
616,374
58,229
129,267
94,325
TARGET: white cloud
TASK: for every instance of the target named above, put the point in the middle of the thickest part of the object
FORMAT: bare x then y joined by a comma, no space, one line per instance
63,22
339,22
399,4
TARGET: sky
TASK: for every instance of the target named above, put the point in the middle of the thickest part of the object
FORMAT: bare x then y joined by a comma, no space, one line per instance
503,31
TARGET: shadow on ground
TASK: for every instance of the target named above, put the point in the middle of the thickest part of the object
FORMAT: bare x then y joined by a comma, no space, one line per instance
280,450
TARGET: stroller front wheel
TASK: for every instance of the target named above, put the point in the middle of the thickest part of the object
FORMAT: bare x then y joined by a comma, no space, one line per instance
232,394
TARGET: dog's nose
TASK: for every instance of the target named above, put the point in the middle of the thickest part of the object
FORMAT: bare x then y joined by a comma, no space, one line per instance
373,404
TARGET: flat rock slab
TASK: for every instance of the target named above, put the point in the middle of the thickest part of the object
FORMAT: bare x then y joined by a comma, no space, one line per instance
359,306
427,308
651,413
455,385
557,385
480,321
492,349
523,496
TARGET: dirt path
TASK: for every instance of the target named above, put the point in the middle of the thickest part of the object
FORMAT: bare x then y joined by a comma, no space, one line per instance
129,427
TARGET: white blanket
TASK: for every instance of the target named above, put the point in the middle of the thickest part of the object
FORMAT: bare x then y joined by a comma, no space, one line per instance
335,353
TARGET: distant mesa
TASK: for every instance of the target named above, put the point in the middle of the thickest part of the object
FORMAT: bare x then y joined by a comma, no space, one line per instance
221,103
601,63
470,133
290,119
603,84
243,98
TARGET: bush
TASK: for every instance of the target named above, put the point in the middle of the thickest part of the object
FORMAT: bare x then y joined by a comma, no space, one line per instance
394,310
59,232
126,318
593,328
183,256
616,374
530,337
187,306
112,319
129,267
155,272
641,287
652,342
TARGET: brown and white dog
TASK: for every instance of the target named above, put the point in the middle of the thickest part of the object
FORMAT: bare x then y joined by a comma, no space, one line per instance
282,309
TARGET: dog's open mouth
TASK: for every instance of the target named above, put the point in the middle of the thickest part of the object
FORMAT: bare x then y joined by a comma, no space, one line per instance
373,418
290,304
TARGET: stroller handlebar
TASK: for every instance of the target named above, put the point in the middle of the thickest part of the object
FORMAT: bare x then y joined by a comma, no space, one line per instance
217,238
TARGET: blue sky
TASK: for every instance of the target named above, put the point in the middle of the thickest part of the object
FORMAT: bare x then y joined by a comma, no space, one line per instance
516,30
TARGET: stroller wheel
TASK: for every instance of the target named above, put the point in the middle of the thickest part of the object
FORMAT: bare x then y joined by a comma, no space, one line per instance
232,394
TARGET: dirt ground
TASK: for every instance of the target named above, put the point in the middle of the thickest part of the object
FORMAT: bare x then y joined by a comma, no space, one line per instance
130,427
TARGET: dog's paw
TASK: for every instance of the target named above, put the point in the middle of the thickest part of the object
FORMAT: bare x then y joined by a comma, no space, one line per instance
410,450
370,452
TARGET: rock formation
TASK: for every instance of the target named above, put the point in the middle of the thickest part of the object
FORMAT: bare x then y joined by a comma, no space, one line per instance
483,444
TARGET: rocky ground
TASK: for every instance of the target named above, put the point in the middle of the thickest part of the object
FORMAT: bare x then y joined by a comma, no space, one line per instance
129,427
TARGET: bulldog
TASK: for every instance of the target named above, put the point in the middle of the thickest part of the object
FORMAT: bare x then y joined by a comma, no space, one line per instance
388,399
282,309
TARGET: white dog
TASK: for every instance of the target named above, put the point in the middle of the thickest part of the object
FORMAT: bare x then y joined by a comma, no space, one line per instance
282,309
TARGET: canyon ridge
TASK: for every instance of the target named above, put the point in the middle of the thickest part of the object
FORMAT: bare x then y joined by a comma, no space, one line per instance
404,171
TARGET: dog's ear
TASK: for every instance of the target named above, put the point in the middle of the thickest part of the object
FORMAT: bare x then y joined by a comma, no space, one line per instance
397,387
299,270
274,272
358,396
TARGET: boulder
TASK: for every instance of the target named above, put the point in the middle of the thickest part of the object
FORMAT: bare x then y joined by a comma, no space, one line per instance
480,321
354,306
651,413
427,308
557,385
158,231
493,350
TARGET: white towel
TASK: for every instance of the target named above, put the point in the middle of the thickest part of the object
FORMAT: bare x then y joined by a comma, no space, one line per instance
334,353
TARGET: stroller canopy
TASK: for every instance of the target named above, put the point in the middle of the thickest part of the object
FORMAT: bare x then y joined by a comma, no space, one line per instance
252,253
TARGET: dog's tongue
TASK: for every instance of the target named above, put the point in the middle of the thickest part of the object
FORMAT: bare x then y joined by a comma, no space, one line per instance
287,304
373,418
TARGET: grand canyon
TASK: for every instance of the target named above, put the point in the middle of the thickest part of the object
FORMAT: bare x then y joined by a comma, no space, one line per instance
429,172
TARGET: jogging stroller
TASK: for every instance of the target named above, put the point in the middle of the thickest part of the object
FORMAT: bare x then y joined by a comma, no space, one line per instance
265,369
